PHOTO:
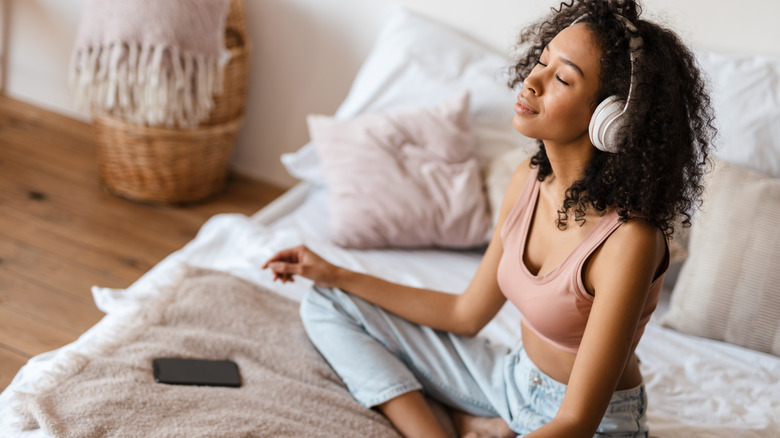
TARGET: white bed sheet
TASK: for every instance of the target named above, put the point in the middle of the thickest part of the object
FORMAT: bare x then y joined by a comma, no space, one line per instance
697,387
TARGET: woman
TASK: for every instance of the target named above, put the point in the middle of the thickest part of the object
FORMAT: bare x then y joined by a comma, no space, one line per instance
580,248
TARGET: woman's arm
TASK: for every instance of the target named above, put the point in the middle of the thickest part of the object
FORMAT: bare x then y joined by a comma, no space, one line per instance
620,274
432,308
464,314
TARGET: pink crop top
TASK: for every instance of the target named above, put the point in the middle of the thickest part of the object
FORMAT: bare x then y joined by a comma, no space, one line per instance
556,305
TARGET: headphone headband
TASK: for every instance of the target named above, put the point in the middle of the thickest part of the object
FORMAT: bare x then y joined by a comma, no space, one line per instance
634,44
635,41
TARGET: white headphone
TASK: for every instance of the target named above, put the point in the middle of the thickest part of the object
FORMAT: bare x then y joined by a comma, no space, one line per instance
607,121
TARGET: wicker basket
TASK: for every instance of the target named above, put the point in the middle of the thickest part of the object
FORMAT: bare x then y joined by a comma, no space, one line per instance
171,165
231,102
160,165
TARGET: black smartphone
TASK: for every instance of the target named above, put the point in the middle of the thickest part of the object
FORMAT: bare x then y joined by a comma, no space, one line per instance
178,371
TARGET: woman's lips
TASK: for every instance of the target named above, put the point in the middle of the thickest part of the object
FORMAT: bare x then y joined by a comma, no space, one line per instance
521,107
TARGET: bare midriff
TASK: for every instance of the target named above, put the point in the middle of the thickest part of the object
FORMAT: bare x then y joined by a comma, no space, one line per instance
558,364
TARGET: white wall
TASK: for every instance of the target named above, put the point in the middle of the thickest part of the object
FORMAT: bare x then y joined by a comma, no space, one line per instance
306,52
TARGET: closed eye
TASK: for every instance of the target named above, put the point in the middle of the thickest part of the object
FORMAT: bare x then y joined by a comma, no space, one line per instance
556,76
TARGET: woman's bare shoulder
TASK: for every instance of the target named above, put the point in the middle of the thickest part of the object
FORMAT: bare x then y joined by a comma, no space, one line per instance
640,234
637,248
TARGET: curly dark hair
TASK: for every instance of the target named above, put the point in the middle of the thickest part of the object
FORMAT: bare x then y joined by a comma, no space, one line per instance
657,173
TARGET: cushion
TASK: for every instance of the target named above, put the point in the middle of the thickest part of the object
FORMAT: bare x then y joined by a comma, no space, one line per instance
728,288
418,62
403,178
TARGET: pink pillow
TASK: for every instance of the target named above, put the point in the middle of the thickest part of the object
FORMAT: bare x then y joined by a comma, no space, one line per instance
406,178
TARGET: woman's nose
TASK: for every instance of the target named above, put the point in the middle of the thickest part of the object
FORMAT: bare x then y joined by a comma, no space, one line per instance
532,84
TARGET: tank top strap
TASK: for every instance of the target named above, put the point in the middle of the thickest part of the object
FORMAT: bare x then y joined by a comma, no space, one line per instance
606,226
523,201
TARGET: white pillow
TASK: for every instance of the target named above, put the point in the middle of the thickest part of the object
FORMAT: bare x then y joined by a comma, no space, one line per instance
304,164
417,62
746,96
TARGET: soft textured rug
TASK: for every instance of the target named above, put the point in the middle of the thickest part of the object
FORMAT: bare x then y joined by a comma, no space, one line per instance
288,390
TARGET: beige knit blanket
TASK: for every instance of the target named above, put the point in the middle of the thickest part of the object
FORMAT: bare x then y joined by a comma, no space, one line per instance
150,62
287,390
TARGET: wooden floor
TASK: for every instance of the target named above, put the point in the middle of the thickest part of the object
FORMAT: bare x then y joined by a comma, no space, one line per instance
60,233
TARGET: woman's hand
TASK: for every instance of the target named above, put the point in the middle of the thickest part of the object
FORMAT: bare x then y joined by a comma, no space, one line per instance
302,261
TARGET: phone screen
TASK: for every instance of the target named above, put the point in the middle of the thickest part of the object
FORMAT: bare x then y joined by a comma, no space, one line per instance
178,371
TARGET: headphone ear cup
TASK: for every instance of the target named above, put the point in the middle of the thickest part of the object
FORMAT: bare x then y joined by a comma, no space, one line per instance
606,123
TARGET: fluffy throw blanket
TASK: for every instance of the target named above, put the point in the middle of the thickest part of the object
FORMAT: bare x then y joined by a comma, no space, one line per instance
150,62
287,390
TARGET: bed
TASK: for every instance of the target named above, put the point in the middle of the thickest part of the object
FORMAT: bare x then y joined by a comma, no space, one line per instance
710,354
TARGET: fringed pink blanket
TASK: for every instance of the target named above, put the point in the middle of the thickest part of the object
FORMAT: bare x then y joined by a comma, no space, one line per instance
150,62
288,390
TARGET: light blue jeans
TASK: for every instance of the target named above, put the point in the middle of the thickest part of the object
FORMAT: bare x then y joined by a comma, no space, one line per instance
381,356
